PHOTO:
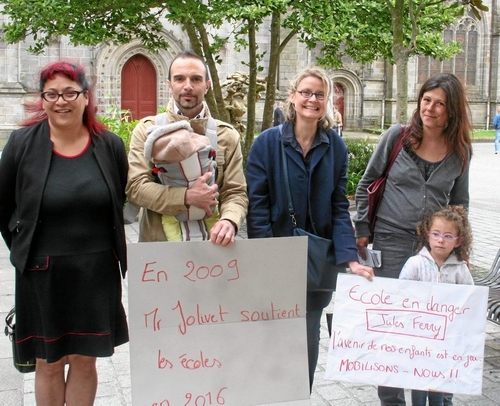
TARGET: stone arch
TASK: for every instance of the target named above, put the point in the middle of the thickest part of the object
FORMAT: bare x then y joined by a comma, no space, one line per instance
353,96
109,64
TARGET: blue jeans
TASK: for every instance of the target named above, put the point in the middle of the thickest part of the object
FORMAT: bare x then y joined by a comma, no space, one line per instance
497,141
419,398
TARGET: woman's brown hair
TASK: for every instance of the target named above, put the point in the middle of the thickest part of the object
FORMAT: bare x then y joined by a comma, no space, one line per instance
459,126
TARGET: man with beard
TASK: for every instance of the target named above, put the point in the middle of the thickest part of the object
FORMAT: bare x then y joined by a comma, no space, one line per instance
188,83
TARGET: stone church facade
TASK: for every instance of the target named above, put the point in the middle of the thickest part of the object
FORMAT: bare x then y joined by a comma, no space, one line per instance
129,76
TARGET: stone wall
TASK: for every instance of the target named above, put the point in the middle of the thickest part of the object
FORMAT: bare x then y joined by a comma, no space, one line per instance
370,90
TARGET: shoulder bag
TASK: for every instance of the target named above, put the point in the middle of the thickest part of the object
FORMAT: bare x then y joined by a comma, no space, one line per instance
23,366
376,188
322,270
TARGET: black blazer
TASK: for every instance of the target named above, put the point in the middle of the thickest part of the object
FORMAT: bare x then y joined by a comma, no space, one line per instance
24,167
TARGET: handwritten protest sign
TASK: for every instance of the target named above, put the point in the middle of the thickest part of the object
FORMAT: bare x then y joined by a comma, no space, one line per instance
408,334
212,325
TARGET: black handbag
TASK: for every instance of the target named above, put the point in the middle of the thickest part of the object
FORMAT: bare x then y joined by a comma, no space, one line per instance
322,270
23,366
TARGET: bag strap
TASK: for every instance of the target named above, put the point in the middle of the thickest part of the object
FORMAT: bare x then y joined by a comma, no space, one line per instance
161,119
9,323
291,211
398,145
211,132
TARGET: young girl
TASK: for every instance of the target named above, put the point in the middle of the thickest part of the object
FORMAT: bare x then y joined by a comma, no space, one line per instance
445,242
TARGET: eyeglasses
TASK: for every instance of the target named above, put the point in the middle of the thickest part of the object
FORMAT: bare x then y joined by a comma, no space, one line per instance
448,237
308,94
70,95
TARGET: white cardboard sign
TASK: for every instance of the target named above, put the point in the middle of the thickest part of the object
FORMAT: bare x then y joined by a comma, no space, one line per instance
408,334
211,325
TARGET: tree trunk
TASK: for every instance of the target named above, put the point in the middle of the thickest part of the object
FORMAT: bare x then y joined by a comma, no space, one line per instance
274,57
200,45
222,113
401,60
252,93
401,56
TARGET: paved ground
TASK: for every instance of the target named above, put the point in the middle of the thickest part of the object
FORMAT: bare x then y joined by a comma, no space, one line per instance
114,373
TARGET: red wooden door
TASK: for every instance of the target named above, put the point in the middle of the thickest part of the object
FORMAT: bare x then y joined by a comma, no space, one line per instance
139,87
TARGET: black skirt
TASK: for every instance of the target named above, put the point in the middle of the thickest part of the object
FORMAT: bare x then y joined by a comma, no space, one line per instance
70,305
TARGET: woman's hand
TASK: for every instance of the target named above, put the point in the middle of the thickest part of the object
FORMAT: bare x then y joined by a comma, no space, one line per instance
362,243
361,270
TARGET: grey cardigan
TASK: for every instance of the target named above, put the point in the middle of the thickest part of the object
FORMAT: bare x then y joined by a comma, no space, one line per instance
407,194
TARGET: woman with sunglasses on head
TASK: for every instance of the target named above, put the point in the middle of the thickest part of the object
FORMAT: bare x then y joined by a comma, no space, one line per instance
430,172
62,182
317,170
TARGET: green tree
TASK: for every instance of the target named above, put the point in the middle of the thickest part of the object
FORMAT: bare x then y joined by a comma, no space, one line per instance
366,30
118,21
394,30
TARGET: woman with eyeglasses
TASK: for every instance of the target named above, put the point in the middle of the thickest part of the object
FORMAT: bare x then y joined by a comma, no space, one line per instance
62,182
430,172
317,169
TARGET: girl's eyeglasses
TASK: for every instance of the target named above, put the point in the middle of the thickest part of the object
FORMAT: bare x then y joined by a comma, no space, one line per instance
448,237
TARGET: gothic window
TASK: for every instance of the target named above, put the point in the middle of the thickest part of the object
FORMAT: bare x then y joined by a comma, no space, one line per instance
464,64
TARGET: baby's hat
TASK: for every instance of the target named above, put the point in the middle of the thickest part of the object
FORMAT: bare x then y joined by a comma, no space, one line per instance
162,146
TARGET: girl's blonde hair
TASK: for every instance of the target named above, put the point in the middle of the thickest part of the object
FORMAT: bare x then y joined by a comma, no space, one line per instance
326,121
459,217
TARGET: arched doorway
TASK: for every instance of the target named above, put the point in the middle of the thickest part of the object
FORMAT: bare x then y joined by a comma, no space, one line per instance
139,87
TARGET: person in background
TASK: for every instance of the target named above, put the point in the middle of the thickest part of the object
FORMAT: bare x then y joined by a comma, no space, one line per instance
430,172
279,117
337,120
496,126
188,82
445,242
68,247
314,152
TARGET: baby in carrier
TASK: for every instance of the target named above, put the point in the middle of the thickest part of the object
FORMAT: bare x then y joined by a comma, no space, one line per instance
180,157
